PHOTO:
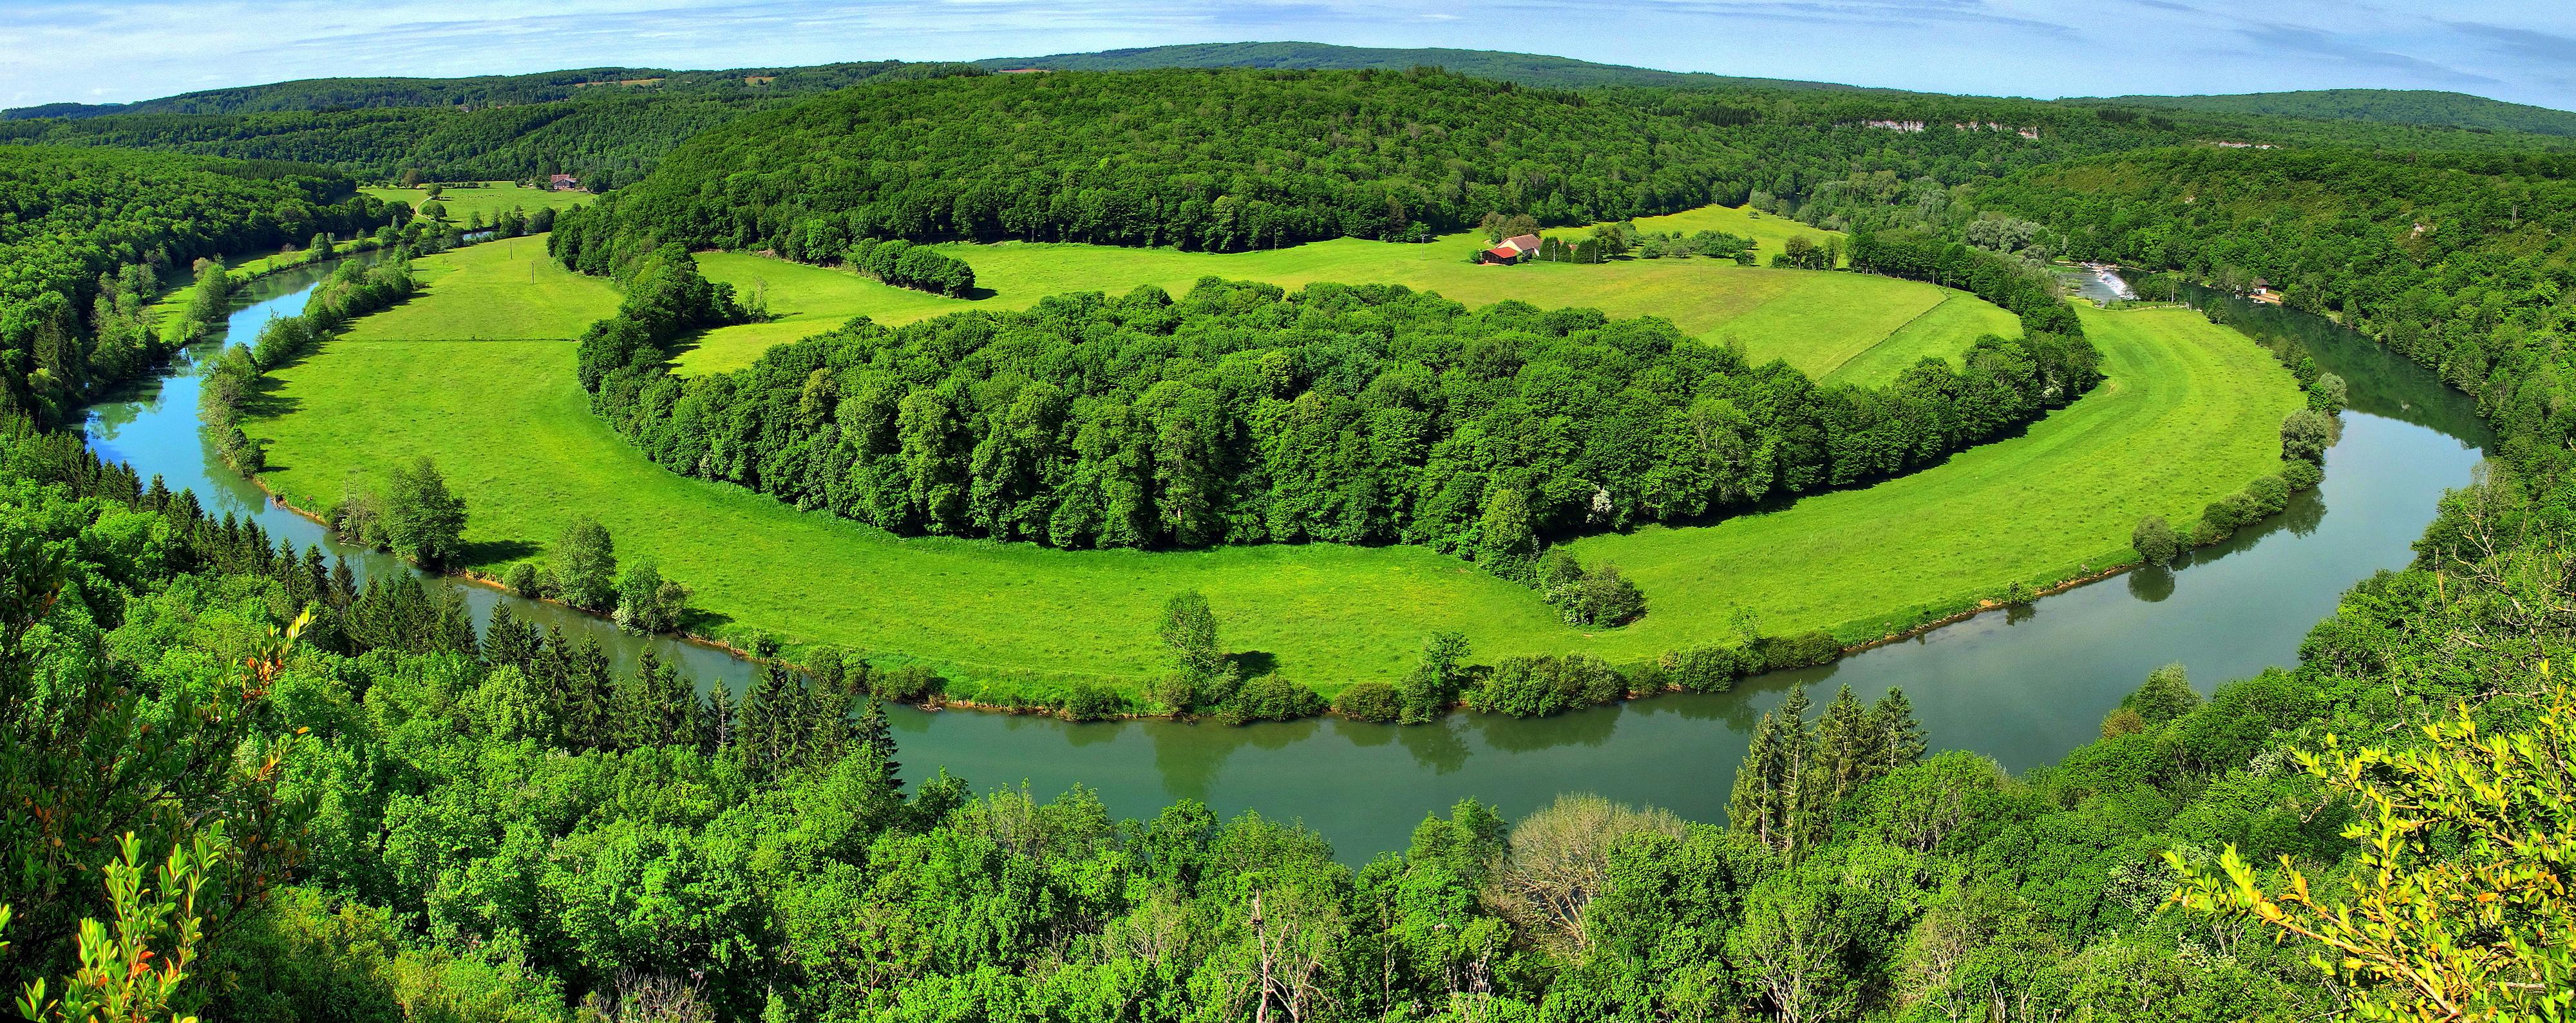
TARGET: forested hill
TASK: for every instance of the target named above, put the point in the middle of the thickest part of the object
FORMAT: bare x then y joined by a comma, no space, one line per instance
1235,159
70,218
1522,68
334,94
2390,106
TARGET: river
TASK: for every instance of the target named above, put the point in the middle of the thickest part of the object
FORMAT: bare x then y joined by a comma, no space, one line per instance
2023,686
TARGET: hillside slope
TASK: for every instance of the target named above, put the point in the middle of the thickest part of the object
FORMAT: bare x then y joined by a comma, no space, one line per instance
1523,68
2388,106
336,94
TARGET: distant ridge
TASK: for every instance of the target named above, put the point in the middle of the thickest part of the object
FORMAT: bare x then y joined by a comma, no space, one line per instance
1523,68
496,90
2392,106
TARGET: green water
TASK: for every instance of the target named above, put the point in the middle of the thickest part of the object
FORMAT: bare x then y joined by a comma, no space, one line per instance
2023,686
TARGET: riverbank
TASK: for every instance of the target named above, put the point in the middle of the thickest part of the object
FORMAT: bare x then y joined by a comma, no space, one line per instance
2022,686
2189,415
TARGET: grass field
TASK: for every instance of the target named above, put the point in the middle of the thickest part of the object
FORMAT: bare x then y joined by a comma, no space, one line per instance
501,290
488,201
1830,325
2189,415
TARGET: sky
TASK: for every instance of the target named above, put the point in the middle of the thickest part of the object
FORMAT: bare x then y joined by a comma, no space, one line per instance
2518,50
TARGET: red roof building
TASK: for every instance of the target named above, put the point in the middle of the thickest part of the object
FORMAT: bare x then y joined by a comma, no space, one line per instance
563,182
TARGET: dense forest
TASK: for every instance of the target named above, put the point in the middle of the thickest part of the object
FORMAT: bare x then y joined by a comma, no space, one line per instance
455,129
1531,69
2395,106
2459,262
335,94
72,219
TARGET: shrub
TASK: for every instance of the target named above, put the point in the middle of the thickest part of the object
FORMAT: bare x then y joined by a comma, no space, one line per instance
2305,434
2267,495
2328,394
2154,541
1091,701
1706,669
1269,698
1812,647
526,580
1525,687
2300,474
1370,701
912,683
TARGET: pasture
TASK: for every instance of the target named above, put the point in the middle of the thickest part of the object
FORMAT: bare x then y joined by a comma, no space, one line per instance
1819,322
2188,415
489,200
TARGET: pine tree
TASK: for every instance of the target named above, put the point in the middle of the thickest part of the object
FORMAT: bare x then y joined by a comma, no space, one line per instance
511,639
874,739
1900,739
717,724
454,624
344,583
1752,807
591,686
1845,739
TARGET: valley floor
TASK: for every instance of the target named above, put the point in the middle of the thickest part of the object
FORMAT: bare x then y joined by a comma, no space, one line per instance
478,372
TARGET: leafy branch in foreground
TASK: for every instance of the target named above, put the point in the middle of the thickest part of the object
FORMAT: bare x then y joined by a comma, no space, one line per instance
2459,907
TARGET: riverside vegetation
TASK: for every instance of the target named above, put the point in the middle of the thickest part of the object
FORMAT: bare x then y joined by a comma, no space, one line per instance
372,811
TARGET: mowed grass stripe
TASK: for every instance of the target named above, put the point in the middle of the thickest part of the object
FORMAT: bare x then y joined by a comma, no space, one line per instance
2190,414
1942,331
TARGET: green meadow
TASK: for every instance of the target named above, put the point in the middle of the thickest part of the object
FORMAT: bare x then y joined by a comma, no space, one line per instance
2188,415
489,200
1843,327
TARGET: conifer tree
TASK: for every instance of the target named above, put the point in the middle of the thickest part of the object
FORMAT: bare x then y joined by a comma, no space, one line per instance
1900,738
874,738
1845,741
510,639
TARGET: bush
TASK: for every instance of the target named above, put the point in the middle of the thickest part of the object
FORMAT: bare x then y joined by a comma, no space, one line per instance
1091,701
527,580
912,683
1707,669
2300,474
1370,701
1596,597
2267,495
1815,646
1269,698
2305,434
1527,687
2154,541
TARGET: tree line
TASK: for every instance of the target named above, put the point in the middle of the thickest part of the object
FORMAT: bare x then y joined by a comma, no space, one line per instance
1240,413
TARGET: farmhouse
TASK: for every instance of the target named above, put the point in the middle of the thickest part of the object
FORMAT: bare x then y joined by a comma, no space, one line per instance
1515,249
563,182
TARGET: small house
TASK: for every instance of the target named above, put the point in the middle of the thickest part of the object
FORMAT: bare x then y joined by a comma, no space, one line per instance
1519,248
563,183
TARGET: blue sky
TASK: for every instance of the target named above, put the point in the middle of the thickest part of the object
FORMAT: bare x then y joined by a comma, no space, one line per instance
2522,51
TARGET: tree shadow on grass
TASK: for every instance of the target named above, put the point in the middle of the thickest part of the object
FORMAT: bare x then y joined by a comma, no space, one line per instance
1253,663
493,552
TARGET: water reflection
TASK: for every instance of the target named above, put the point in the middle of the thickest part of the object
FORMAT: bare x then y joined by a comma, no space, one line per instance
2023,686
